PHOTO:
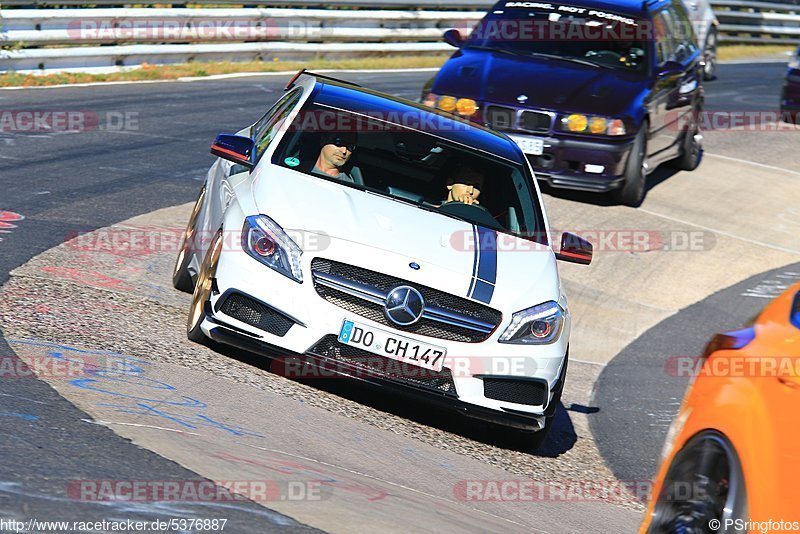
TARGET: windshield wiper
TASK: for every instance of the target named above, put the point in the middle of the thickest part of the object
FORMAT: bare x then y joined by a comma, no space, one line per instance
496,49
540,54
571,60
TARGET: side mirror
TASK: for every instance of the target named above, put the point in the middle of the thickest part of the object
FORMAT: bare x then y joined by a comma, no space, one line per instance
235,148
574,249
670,69
453,38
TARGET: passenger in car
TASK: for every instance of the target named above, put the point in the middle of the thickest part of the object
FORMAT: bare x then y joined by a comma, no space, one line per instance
336,150
464,186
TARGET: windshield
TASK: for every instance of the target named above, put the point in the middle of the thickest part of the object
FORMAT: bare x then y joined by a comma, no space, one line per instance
565,33
414,167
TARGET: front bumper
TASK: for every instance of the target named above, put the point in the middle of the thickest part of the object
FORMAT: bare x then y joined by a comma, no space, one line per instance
316,366
564,161
314,319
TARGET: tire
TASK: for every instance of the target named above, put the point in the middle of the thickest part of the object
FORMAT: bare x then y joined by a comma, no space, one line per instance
181,278
710,56
691,148
704,482
202,292
633,188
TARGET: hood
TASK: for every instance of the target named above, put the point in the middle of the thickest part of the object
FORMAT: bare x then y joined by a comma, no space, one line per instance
385,235
550,84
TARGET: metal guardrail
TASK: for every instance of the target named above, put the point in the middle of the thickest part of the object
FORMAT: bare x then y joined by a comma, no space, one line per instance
752,22
106,38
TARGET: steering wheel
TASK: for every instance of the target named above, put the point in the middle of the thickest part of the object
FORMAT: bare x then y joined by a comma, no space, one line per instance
604,54
472,213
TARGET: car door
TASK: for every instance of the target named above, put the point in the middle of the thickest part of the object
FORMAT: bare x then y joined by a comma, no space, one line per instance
677,83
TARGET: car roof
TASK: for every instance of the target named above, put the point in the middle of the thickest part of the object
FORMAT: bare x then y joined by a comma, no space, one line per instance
637,8
351,97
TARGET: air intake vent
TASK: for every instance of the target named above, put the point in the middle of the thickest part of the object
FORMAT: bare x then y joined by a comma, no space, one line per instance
528,392
256,314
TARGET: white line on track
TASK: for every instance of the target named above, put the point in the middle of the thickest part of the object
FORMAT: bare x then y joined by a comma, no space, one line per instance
771,167
721,232
601,364
106,423
299,457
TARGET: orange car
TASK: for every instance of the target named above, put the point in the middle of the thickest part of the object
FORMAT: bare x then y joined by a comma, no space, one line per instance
731,460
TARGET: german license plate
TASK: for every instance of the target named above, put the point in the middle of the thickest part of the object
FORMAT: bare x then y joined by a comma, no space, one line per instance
529,145
391,345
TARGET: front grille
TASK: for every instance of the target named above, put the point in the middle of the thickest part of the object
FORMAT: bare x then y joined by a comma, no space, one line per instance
256,314
384,283
501,118
535,121
529,392
375,365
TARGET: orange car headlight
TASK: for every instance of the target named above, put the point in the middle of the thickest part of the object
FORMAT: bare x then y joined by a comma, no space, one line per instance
447,103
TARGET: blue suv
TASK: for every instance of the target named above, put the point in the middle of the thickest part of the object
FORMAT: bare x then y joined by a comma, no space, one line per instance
595,93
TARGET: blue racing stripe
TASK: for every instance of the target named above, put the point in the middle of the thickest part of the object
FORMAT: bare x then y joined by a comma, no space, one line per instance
487,266
474,260
484,270
483,291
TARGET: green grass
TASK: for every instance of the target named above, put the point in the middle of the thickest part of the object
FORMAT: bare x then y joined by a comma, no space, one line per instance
186,70
741,51
189,70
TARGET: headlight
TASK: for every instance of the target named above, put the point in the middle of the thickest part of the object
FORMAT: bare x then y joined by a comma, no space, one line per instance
592,124
265,241
466,107
446,103
538,325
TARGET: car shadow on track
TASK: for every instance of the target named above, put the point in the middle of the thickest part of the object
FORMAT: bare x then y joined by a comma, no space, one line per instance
561,439
656,178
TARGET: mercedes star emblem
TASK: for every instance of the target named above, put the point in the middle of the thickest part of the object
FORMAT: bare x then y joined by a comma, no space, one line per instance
404,305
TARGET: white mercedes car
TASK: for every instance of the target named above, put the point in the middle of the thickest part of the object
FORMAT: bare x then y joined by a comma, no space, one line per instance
705,27
350,233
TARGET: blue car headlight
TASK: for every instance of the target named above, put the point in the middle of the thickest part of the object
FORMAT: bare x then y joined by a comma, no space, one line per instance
538,325
267,242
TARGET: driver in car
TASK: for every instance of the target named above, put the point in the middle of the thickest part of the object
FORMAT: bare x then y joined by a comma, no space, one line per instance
336,149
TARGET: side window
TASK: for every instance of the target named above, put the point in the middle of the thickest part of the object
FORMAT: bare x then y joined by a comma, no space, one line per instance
661,34
266,128
682,31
